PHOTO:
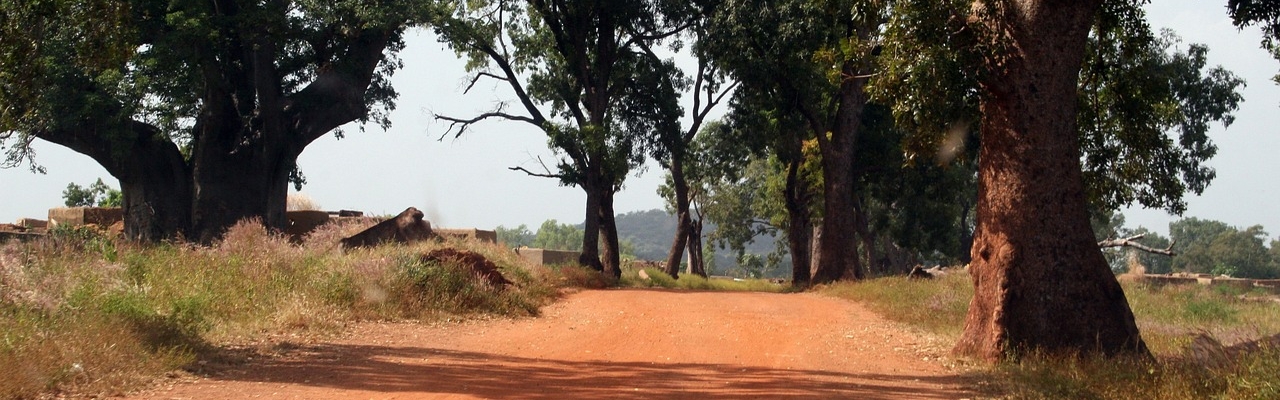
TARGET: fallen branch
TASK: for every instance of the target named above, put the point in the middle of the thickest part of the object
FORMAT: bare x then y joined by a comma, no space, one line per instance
1132,242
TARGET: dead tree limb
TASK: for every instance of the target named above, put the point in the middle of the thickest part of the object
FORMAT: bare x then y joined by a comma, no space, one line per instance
1132,242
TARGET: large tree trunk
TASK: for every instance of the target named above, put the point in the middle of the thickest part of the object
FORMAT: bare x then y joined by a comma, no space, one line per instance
610,253
156,185
838,250
1041,282
590,256
683,222
966,235
697,266
799,225
231,189
154,177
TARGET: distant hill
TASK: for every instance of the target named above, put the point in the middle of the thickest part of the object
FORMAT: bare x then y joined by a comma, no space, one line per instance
650,233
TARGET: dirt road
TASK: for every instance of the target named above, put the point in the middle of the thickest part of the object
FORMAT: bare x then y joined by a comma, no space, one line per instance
616,344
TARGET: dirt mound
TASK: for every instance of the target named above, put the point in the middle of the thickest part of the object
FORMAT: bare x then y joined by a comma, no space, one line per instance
407,227
480,266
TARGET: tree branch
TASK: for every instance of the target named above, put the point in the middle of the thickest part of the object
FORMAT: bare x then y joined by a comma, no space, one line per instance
476,78
531,173
461,125
1132,242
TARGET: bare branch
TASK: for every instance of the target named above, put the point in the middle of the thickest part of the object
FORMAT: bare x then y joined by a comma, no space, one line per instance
1132,242
460,125
531,173
547,174
476,78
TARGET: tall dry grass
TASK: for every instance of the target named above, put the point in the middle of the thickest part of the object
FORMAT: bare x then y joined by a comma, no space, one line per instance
83,313
300,202
1168,316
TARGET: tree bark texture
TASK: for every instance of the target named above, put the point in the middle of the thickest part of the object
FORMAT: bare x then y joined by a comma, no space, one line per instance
839,249
590,256
610,252
1041,282
697,266
684,220
799,226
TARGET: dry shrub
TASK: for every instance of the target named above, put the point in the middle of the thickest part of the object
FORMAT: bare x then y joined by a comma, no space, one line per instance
88,355
329,235
300,202
259,252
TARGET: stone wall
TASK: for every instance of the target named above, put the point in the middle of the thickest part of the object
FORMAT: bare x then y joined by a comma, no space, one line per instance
472,233
74,216
548,257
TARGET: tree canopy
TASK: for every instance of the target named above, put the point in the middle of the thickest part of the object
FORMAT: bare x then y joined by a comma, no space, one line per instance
200,109
586,75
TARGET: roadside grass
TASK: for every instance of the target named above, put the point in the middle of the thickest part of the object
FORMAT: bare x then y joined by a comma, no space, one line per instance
1170,317
659,279
84,314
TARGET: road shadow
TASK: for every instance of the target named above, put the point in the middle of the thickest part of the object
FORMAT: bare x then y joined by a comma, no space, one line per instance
424,371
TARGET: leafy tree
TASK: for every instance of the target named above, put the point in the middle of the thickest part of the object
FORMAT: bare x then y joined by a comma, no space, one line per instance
957,61
1135,90
1207,246
1264,14
200,109
812,62
1033,289
556,236
589,65
672,148
97,194
1242,254
514,237
1192,236
1274,251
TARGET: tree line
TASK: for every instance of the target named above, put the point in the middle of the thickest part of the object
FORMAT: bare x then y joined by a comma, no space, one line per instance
1199,247
863,123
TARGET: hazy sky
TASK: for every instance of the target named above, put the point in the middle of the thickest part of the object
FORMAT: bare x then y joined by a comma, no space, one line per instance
464,182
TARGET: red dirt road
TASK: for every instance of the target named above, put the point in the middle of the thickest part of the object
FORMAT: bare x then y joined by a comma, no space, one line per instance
616,344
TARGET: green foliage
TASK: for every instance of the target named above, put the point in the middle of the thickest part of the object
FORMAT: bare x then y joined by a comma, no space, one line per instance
1264,14
556,236
96,195
1146,104
1206,246
514,237
1136,90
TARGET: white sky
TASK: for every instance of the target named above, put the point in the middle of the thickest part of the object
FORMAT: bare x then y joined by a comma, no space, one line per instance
466,183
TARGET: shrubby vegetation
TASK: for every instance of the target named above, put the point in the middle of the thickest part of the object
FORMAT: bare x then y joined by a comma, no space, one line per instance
96,195
83,312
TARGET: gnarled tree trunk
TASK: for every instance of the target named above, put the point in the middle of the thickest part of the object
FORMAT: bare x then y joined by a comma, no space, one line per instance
1041,282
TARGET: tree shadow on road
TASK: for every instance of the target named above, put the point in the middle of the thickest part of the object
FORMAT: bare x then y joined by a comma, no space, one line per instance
427,371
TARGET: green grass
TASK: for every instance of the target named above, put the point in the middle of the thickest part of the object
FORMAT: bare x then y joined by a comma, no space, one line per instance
1169,318
85,314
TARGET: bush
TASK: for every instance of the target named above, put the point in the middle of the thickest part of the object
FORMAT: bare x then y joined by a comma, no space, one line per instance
80,312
